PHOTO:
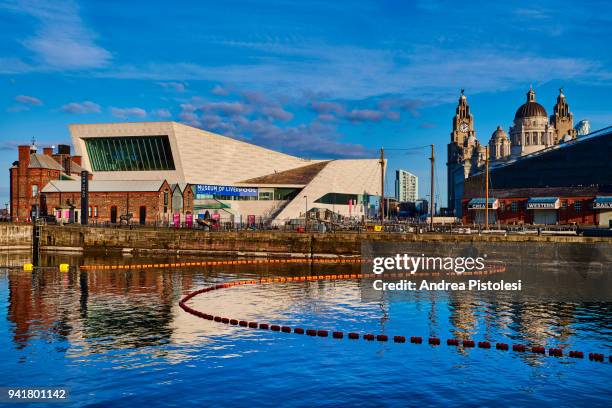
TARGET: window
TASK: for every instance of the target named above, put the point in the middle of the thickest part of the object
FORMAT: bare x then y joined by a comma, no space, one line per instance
95,211
564,205
130,153
514,206
89,211
34,190
336,198
578,206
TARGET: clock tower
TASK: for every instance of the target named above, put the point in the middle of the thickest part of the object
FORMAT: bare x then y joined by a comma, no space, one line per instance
464,154
463,122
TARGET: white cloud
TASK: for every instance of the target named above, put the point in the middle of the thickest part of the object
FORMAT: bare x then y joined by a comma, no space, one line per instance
174,86
61,40
124,113
28,100
81,107
162,113
432,74
220,90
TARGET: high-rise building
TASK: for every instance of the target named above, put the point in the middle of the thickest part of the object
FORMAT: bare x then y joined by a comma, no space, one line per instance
406,186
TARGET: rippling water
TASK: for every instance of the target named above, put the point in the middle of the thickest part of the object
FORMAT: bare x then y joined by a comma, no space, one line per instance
118,338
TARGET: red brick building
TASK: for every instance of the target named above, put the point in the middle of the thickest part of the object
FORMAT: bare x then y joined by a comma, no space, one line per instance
50,183
541,206
32,171
144,202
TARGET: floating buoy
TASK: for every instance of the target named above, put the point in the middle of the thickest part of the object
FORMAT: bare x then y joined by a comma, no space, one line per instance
399,339
368,337
468,343
576,354
434,341
452,342
501,346
28,267
382,337
253,325
311,332
286,329
234,322
322,333
263,326
353,336
538,350
337,335
64,267
224,320
298,330
275,327
243,323
484,344
416,339
518,347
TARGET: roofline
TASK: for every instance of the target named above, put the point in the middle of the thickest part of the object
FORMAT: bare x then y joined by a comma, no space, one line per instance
594,134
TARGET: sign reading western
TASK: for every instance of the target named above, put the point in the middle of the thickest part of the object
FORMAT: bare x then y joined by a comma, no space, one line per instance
552,204
207,189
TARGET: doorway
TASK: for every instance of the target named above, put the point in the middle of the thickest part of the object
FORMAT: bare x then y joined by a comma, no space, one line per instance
143,215
113,214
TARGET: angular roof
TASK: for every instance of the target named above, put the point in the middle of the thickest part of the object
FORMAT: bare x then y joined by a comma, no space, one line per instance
544,192
41,161
74,186
298,176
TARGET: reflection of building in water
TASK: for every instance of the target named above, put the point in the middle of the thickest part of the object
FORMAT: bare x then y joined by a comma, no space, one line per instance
538,322
130,307
463,307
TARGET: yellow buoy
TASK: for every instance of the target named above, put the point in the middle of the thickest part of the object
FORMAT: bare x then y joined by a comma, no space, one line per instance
28,267
64,267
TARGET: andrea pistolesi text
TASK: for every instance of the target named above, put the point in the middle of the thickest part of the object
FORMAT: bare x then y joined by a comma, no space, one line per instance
472,284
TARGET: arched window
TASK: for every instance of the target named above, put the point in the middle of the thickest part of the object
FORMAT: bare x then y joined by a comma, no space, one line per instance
34,190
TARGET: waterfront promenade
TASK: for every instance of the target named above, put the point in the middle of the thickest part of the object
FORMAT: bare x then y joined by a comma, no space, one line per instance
261,243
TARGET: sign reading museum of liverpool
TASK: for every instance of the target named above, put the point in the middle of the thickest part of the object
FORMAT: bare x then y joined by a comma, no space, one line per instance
206,189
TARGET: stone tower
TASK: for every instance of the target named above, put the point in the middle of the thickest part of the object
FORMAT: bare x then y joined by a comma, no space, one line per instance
464,154
562,119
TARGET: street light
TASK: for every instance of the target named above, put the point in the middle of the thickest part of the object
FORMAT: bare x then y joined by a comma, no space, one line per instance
306,213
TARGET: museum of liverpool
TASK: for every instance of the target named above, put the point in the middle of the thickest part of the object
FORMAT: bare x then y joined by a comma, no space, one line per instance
151,172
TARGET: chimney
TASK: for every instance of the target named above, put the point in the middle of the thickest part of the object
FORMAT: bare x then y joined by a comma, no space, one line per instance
77,159
24,156
48,151
63,149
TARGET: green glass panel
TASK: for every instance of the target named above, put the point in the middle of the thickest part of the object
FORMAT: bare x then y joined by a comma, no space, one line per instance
130,153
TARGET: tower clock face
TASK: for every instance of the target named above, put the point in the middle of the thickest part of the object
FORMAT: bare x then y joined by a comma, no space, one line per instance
463,127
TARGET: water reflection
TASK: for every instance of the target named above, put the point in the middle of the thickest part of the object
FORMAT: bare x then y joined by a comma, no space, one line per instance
100,311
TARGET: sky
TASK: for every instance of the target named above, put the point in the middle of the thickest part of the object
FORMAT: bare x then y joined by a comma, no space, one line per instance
318,79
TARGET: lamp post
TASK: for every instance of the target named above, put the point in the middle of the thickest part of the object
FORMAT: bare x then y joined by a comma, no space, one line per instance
306,213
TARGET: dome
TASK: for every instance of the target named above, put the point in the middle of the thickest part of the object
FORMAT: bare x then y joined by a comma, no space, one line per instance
530,108
499,134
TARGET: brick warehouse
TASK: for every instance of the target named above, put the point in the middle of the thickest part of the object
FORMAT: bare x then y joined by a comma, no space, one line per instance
570,183
578,205
50,183
146,201
32,171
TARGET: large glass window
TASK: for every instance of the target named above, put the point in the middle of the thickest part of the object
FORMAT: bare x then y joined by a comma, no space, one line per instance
130,153
337,198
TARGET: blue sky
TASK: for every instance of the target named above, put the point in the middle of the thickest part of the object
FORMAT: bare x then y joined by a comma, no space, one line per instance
318,79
